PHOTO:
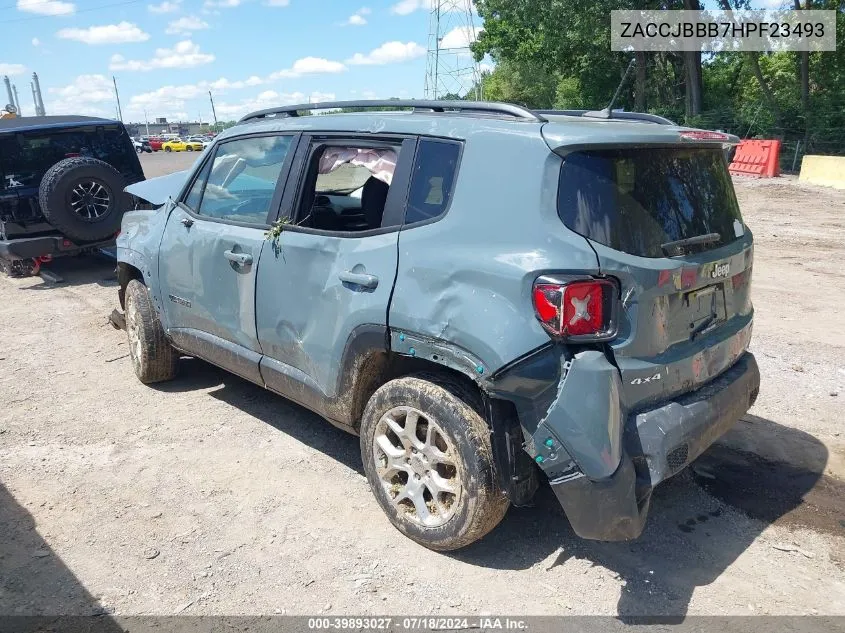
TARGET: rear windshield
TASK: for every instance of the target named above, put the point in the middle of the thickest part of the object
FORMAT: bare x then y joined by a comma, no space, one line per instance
635,200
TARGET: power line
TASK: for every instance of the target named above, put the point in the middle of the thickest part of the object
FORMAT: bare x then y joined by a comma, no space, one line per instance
41,17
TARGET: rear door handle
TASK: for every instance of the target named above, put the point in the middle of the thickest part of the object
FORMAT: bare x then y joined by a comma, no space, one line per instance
243,259
359,279
187,222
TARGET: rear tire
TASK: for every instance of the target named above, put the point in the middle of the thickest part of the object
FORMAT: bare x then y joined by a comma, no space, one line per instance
428,458
153,358
168,149
83,198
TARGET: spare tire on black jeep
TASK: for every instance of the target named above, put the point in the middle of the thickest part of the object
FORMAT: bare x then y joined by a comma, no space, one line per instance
83,197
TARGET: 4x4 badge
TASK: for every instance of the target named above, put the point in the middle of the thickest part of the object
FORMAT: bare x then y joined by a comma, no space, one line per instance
720,270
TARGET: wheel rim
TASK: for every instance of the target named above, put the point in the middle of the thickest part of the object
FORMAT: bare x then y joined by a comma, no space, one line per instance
90,200
417,466
133,333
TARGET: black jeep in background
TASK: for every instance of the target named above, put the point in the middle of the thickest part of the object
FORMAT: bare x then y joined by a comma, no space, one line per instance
61,187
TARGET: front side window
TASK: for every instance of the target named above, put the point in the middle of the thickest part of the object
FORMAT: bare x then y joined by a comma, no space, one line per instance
239,183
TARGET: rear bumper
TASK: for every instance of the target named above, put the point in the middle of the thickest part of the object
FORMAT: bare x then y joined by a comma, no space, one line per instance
54,245
656,444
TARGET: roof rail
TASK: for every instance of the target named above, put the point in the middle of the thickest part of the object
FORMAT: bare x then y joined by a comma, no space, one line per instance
615,115
483,107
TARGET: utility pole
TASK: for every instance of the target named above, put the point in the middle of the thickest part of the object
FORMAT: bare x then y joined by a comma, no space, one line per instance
213,112
146,122
117,97
6,81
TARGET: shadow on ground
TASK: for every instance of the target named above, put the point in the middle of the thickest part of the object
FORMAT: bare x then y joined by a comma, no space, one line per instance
692,535
77,271
33,579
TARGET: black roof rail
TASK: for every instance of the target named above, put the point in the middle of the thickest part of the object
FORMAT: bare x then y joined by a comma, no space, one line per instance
615,115
482,107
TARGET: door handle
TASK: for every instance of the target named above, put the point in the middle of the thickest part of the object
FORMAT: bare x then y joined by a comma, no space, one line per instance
187,222
242,259
359,279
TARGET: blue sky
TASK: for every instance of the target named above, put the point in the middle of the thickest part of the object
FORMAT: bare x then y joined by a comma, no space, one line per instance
167,54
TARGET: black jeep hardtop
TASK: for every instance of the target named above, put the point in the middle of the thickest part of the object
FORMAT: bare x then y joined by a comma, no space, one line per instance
61,185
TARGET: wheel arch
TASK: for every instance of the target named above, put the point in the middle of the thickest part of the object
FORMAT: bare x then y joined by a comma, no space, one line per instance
125,273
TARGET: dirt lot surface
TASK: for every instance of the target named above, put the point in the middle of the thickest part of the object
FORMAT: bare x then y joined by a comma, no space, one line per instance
208,495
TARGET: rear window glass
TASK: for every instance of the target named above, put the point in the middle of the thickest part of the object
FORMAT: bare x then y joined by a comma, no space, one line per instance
636,200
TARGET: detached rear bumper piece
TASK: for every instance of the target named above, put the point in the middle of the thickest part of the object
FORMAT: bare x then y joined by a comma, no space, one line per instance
657,444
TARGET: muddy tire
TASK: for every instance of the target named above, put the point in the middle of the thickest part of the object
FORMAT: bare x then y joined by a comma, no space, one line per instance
153,358
427,455
83,197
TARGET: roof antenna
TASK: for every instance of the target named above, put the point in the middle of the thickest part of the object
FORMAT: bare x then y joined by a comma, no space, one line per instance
607,113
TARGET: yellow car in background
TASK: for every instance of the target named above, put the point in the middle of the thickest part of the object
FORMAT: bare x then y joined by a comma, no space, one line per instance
178,145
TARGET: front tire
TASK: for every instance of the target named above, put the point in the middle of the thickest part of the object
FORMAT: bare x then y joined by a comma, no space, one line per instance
427,455
153,358
168,149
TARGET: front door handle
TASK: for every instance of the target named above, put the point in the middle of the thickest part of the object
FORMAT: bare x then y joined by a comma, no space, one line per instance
187,222
243,259
359,279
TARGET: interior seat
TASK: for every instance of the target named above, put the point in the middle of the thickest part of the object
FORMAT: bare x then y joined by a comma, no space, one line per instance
373,198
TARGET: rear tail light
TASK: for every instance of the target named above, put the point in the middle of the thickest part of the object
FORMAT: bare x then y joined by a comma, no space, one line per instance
582,310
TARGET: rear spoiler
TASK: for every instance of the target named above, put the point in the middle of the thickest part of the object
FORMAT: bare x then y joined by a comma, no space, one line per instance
563,139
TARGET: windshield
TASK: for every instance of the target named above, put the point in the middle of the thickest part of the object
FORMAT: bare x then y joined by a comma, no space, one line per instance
636,200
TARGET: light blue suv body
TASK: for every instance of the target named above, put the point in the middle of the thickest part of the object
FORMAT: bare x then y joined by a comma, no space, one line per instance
465,261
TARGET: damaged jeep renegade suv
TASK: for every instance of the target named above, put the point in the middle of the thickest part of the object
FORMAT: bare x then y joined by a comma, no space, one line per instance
490,297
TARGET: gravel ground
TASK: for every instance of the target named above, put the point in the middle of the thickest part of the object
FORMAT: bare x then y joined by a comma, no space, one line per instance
208,495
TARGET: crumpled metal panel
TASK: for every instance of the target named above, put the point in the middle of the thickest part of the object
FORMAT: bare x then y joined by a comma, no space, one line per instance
585,420
466,279
137,246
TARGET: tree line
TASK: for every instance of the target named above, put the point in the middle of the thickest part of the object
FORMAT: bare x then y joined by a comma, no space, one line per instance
556,54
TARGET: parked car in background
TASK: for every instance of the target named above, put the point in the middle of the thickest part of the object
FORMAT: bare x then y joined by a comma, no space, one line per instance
155,143
61,187
142,146
204,140
178,145
581,315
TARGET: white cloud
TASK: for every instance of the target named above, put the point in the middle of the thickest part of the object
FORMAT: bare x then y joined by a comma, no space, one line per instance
184,26
164,7
308,66
107,34
221,4
404,7
12,69
91,94
46,7
36,41
184,54
357,18
388,53
459,37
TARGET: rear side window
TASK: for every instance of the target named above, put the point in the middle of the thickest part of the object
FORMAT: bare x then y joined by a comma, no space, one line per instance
433,180
636,200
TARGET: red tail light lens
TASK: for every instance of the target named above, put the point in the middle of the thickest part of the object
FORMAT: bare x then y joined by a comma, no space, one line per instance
580,309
